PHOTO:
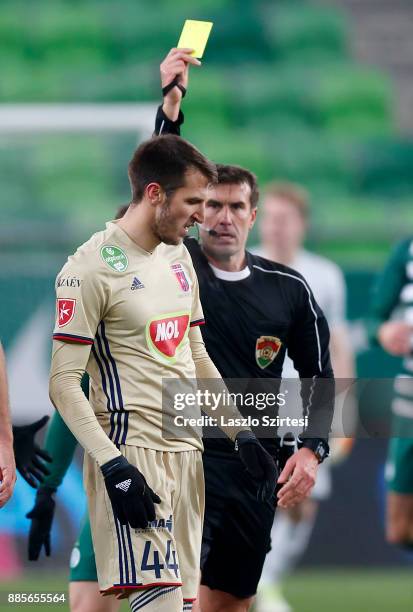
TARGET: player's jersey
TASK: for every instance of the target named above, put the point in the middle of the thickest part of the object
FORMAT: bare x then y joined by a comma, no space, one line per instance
327,283
256,316
134,308
393,299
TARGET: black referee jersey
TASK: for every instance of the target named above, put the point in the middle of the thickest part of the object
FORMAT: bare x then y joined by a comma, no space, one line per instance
272,307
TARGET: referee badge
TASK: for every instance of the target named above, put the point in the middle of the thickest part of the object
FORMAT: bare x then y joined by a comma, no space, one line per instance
266,350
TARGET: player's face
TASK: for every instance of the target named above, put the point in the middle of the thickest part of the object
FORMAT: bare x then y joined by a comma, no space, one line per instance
281,224
228,213
177,213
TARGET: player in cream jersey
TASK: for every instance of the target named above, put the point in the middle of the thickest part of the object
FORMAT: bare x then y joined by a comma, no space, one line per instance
134,309
128,313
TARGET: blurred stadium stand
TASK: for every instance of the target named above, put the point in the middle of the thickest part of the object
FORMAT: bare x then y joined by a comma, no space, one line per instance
279,92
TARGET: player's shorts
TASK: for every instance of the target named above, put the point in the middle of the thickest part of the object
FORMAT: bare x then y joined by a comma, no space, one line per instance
237,528
82,559
167,552
399,465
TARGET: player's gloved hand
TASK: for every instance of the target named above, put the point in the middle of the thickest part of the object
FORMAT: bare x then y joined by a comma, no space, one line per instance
29,456
258,463
41,516
132,499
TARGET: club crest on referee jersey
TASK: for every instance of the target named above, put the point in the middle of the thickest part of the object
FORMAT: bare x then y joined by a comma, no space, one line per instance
266,350
165,335
65,311
179,272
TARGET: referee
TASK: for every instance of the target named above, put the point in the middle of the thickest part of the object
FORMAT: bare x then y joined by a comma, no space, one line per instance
256,311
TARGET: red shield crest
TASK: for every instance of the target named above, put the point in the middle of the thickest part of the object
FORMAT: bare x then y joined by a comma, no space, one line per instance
266,350
65,311
179,272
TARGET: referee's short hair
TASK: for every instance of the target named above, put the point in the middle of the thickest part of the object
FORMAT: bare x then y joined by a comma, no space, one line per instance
292,193
230,175
166,160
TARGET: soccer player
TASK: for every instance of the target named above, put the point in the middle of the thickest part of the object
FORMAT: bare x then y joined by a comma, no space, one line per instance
128,313
391,325
7,462
249,303
283,227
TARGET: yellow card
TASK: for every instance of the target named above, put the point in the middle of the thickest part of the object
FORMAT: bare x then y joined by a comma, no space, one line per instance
195,36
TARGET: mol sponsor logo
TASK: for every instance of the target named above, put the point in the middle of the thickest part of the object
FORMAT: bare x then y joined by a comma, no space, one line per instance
165,335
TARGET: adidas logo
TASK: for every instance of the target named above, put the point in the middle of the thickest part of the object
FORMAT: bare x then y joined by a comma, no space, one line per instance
136,284
124,485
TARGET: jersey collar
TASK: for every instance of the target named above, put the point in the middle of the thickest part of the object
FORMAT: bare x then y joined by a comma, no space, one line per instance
230,276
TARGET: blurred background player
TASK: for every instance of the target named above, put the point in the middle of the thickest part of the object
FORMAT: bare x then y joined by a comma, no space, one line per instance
283,225
7,461
391,325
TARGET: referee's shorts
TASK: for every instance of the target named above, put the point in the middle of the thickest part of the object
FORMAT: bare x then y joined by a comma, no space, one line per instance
237,527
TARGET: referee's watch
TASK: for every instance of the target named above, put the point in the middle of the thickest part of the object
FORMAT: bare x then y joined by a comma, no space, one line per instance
319,446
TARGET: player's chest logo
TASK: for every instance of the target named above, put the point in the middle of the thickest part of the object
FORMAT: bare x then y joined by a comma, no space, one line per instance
65,311
266,350
181,277
165,335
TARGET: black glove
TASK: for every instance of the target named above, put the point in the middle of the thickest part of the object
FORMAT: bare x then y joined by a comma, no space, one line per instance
258,463
41,516
28,454
132,499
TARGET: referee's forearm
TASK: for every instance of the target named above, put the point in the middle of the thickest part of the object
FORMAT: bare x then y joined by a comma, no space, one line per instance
318,394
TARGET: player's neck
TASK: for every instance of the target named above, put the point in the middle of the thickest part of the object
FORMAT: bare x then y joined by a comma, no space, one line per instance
136,224
233,263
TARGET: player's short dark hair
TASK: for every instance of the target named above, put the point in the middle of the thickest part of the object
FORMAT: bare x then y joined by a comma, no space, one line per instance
296,195
166,160
236,175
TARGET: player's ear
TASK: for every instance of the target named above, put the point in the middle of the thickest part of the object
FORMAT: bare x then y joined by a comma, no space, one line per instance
155,193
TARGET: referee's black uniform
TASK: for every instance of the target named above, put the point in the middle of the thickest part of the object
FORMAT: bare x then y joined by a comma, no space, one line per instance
272,300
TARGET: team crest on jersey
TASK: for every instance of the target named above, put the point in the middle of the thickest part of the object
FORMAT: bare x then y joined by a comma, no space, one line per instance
65,311
266,350
115,258
179,272
165,335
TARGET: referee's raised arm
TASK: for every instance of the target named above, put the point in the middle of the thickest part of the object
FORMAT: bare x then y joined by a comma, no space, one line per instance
174,81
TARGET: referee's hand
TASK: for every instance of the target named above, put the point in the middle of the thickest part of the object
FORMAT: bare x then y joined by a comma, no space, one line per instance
176,64
297,478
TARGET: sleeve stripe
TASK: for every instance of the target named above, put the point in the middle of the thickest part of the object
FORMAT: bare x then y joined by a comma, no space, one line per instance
197,322
72,338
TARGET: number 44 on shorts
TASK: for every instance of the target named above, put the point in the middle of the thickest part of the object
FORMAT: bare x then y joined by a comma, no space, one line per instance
157,566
